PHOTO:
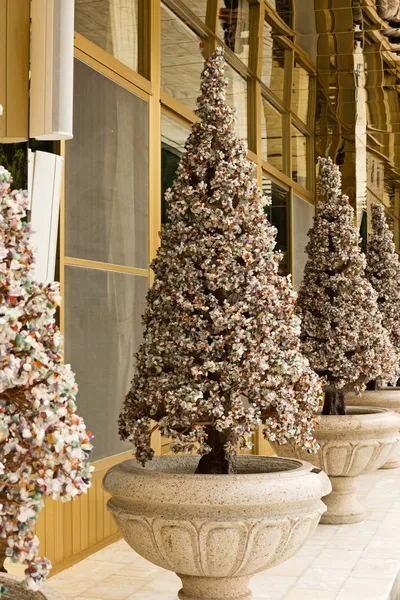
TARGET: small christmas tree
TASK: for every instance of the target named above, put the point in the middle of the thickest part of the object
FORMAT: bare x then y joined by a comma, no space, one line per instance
44,447
383,272
221,342
342,333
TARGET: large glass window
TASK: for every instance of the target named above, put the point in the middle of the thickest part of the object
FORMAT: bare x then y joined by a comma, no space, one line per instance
284,9
234,27
181,59
107,173
111,24
278,215
102,333
173,138
236,95
302,221
300,92
299,156
198,7
273,62
272,123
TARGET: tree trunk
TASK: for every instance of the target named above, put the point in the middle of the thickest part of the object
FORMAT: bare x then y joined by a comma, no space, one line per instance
334,403
216,462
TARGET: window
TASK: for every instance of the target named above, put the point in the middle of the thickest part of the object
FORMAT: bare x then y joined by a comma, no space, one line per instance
300,92
299,157
236,95
278,215
272,123
173,138
198,7
106,171
111,24
273,62
234,27
103,331
364,231
302,221
284,10
181,59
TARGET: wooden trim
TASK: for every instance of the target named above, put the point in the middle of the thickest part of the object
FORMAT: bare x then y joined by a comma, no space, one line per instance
155,132
276,180
108,462
291,235
254,86
14,69
108,65
165,110
211,42
190,19
177,107
94,264
281,177
276,20
73,560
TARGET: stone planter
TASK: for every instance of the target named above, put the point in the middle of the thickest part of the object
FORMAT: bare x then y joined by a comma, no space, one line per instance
384,398
216,531
351,444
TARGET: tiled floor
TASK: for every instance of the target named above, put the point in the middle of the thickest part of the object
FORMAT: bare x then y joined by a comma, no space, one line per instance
348,562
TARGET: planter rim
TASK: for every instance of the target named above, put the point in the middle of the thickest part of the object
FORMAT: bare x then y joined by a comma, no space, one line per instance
130,482
133,467
359,418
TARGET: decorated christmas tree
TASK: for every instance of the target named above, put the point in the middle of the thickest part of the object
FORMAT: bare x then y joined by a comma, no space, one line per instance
44,447
383,272
221,343
342,332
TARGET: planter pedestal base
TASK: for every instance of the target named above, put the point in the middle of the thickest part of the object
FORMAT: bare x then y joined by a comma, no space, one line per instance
214,588
392,463
343,506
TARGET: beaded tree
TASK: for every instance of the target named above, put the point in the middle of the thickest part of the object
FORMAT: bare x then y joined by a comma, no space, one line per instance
383,272
221,344
341,333
44,446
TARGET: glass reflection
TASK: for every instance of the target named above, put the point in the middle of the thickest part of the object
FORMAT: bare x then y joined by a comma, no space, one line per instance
272,135
278,215
113,25
273,63
198,7
284,9
181,59
173,139
300,92
299,156
103,331
236,96
302,219
106,213
234,27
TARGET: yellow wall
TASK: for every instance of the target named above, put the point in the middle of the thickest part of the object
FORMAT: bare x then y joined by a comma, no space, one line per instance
70,531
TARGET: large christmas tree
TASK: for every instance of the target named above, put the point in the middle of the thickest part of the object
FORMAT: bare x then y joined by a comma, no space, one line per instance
342,333
44,447
383,271
221,342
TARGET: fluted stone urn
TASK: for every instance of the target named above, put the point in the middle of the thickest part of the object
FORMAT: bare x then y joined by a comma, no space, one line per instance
384,398
16,591
216,531
350,445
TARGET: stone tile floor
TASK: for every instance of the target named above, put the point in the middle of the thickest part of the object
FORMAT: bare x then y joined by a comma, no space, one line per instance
348,562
